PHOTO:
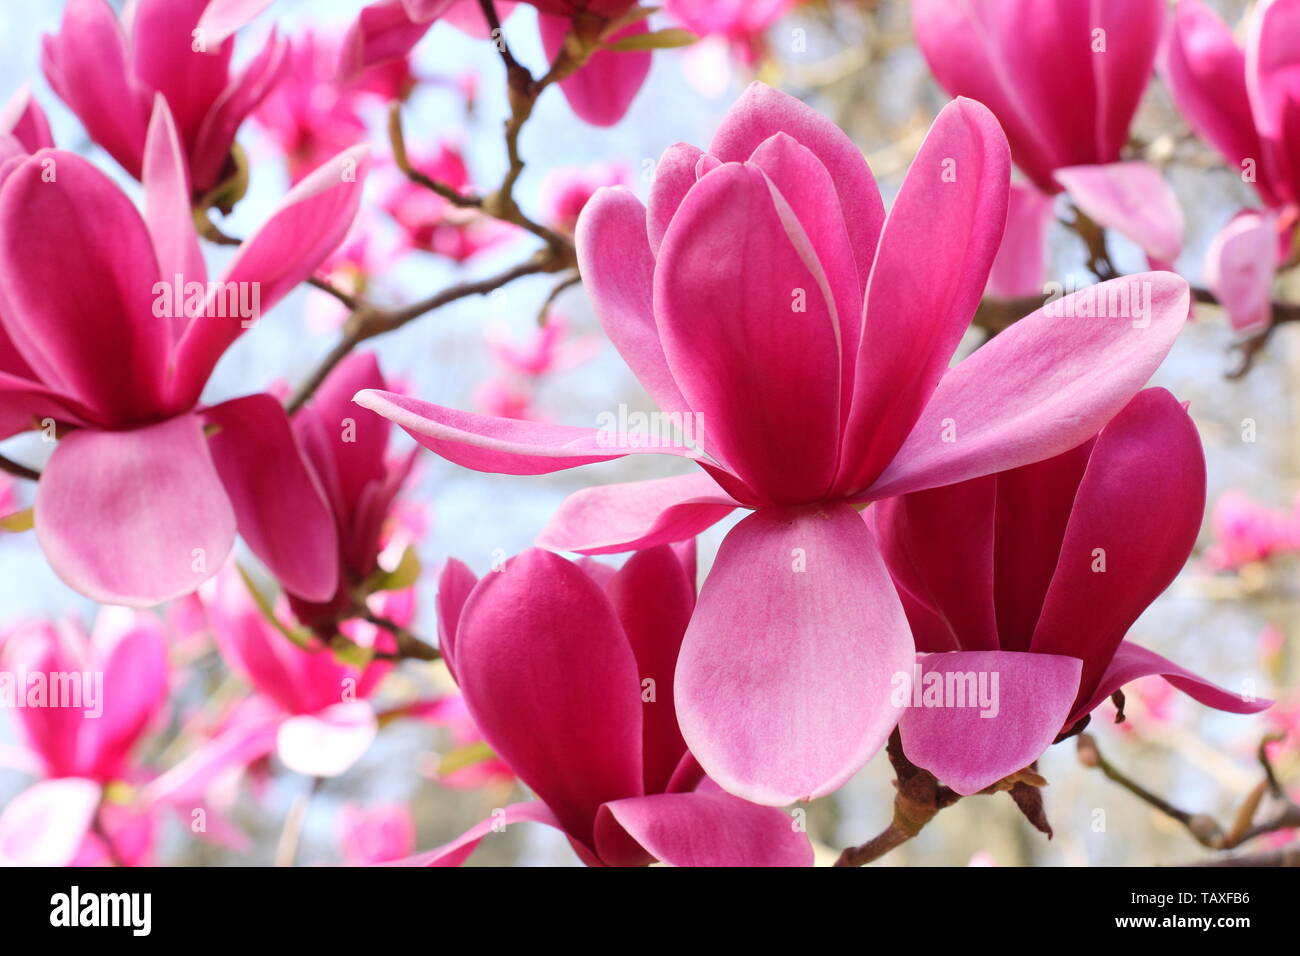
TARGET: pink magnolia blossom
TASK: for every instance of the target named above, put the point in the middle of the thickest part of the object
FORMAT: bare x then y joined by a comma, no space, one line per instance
1245,103
568,672
567,189
433,224
740,23
109,74
377,834
348,453
524,366
1032,577
83,747
310,115
311,709
600,92
140,499
1064,80
1246,531
765,297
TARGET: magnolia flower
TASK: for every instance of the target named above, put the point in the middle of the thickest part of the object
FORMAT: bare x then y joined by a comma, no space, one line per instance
1025,60
377,834
568,673
347,452
1246,531
599,92
433,224
140,499
100,693
110,78
310,708
566,190
765,294
1024,583
1244,102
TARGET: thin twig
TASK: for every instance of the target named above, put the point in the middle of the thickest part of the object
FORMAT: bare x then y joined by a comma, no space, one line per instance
17,470
368,321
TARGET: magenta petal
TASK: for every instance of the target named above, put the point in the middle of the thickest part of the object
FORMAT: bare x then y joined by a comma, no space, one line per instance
711,829
551,682
134,517
164,60
994,713
381,32
221,18
1205,71
938,545
1133,199
675,174
168,214
454,586
618,273
607,519
762,112
744,308
784,675
458,850
601,90
1136,515
1132,661
1044,386
1240,269
653,599
328,743
46,823
282,511
1018,271
87,65
929,274
308,225
135,658
504,446
22,118
89,332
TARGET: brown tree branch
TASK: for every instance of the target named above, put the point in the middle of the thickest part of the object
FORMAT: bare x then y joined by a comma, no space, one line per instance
17,470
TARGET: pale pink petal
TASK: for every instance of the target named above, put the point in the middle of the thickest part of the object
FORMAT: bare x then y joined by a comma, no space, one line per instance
992,713
282,512
784,676
675,174
221,18
1131,662
328,743
1043,386
1134,200
711,829
506,446
1019,269
45,824
458,850
618,273
134,517
607,519
235,747
1240,266
929,274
